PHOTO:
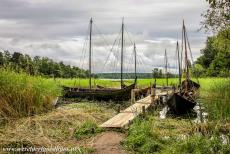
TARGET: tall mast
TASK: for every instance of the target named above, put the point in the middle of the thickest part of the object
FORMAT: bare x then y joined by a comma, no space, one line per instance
90,48
179,65
166,67
135,61
122,50
186,56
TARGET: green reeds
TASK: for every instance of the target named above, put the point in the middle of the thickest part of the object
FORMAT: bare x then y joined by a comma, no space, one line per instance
23,95
217,100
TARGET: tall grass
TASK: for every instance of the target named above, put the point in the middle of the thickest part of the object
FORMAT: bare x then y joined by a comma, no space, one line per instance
171,136
216,99
23,95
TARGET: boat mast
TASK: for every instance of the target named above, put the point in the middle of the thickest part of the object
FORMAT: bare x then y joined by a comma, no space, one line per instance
122,48
179,65
166,67
135,61
186,56
90,48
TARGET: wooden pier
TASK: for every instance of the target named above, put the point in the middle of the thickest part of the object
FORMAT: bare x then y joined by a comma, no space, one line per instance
123,118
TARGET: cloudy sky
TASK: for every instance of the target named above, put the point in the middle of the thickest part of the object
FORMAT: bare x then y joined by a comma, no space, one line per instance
58,29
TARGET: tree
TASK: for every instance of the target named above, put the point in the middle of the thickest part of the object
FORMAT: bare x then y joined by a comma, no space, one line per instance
208,53
39,66
216,55
198,70
7,58
1,59
155,73
217,16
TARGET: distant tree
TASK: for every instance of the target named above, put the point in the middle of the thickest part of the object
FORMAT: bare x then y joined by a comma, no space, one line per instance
39,66
7,58
1,59
217,16
208,53
160,73
198,70
155,73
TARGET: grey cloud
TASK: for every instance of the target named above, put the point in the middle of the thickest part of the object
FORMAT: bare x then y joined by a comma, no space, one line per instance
57,29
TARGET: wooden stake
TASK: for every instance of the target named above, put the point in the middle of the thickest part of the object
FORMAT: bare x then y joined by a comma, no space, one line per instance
119,109
133,96
143,110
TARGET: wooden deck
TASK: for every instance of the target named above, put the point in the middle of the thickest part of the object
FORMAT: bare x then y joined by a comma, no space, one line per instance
123,118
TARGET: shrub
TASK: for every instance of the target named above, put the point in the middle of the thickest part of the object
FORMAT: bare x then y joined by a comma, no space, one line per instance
23,95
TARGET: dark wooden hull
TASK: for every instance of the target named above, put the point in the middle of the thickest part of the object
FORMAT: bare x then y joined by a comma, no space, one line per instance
191,85
179,104
100,94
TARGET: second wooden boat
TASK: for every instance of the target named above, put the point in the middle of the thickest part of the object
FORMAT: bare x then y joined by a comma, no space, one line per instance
183,100
102,93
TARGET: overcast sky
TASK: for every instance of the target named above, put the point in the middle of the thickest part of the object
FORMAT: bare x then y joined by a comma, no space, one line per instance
58,29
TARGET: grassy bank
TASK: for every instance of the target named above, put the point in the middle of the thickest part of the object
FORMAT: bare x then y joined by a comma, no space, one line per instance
23,95
171,135
215,96
70,125
181,135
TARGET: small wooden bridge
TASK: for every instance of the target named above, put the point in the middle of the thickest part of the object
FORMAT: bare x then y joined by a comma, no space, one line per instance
123,118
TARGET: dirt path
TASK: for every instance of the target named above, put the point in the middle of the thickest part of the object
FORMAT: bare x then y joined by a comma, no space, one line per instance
108,143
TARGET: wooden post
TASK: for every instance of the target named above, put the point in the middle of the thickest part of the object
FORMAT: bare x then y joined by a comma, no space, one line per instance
143,110
174,88
119,109
132,96
93,130
151,88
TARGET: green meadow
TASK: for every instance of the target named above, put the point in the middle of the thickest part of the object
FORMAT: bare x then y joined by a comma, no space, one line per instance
27,103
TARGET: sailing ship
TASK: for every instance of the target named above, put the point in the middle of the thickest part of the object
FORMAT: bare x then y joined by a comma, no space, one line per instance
183,101
102,93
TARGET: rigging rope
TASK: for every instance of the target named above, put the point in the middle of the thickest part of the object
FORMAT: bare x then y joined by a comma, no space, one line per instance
83,56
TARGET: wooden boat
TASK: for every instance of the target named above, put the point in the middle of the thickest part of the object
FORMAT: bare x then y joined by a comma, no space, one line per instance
183,101
179,104
102,93
190,85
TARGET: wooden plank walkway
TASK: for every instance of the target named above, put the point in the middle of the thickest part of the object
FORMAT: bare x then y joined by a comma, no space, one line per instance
123,118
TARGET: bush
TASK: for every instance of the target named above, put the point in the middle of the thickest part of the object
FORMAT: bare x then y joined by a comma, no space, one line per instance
23,95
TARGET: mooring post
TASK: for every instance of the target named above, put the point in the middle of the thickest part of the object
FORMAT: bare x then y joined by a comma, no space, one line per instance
129,123
150,88
153,94
119,109
93,130
143,110
132,96
201,115
174,88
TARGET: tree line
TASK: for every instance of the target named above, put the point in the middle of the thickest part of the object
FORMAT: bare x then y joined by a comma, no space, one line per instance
215,58
156,73
41,66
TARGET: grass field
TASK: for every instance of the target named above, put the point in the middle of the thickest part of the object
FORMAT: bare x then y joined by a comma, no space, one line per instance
214,92
22,95
113,83
66,126
205,82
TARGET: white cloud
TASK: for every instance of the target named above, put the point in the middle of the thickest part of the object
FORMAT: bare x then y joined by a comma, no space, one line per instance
57,29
